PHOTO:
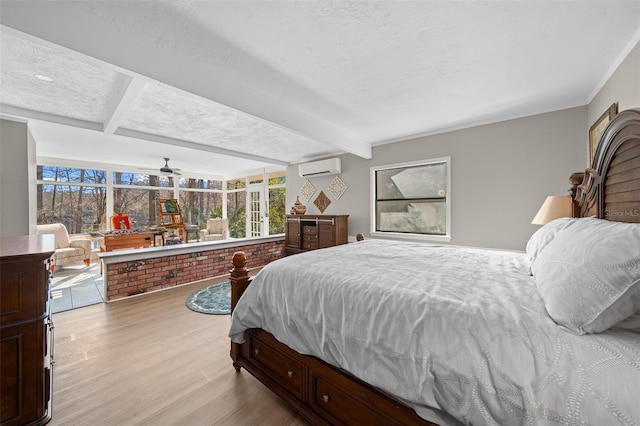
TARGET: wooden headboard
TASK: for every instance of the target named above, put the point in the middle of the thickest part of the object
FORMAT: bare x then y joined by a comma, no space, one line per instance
610,188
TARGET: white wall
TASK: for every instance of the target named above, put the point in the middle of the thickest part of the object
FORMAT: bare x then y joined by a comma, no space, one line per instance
500,175
17,162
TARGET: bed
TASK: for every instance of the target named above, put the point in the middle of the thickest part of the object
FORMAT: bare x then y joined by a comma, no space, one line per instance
388,332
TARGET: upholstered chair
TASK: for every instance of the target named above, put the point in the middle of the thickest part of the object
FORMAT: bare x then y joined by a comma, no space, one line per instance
69,249
217,229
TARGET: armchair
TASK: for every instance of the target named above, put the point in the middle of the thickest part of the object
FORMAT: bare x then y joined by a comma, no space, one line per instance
217,229
69,249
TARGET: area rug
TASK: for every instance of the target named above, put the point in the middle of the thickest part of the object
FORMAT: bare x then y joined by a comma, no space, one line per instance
214,299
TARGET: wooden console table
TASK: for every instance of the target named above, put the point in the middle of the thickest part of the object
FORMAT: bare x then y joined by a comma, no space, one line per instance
128,241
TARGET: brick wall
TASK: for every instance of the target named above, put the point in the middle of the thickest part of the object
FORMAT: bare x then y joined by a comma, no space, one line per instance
143,276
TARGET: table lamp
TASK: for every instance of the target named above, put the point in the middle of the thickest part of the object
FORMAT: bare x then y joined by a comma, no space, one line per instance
554,207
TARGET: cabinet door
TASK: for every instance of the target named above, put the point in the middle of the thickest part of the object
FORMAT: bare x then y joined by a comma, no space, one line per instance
293,234
22,381
326,234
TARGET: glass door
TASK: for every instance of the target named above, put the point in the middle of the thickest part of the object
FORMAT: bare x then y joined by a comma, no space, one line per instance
256,223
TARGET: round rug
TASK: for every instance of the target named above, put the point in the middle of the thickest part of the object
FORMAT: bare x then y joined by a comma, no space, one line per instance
214,299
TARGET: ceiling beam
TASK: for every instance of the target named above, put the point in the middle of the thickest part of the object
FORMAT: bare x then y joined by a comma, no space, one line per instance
197,146
10,110
133,89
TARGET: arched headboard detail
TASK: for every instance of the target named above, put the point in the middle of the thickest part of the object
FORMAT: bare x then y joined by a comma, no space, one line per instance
611,186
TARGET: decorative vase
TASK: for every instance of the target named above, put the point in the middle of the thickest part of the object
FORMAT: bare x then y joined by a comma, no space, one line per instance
298,207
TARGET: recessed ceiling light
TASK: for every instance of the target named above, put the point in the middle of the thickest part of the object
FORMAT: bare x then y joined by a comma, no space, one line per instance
43,78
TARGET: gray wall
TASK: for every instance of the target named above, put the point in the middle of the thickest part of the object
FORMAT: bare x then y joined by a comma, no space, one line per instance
17,179
622,87
500,175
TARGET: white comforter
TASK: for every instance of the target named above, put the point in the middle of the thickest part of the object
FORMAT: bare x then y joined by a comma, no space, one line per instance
457,333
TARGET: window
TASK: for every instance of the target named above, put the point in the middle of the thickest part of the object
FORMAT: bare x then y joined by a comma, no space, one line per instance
75,197
200,199
135,195
412,199
276,200
84,199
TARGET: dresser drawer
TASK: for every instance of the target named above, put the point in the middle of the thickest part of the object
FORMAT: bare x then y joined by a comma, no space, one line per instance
287,371
309,230
341,399
309,238
338,407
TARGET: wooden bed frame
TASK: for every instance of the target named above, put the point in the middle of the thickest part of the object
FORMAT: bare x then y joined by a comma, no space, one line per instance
323,394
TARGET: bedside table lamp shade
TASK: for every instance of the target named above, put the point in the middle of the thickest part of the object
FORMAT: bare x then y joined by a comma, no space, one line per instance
554,207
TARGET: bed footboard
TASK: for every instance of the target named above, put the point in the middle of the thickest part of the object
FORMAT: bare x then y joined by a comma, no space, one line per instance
319,392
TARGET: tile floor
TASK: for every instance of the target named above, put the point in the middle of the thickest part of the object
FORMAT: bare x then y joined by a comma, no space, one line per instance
76,286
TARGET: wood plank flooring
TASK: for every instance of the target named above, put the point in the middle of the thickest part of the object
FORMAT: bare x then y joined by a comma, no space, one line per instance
149,360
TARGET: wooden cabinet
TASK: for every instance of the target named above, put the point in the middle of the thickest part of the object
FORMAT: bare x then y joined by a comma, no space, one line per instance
26,340
310,232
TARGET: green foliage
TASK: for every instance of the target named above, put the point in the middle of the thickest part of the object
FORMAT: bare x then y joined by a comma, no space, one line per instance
216,212
277,200
238,222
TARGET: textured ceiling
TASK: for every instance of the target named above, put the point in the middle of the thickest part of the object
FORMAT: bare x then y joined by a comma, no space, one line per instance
226,87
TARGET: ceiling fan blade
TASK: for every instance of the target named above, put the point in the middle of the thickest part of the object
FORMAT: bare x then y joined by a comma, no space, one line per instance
165,170
156,172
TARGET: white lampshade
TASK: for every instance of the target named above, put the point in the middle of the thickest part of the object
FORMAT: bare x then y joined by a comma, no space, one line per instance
554,207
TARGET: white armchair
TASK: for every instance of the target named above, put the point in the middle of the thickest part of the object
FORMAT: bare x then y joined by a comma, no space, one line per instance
217,229
69,249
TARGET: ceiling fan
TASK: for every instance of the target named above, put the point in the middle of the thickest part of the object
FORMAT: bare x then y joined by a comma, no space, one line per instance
166,170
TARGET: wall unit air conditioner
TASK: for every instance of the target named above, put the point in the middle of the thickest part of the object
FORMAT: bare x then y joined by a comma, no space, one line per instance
331,166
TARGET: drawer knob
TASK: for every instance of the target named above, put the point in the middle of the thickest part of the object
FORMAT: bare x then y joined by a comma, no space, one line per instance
256,351
290,373
326,398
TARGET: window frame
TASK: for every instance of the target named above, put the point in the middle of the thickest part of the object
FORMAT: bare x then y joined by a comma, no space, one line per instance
411,235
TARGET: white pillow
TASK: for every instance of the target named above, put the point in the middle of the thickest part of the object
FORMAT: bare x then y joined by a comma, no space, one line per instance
630,324
589,274
543,236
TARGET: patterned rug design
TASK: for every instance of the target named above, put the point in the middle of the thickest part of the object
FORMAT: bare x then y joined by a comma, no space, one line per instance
214,299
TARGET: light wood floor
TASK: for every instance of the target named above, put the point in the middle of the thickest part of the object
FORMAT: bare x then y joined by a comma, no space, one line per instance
150,360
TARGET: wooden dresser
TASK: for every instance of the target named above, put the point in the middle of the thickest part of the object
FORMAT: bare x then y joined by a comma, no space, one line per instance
310,232
26,330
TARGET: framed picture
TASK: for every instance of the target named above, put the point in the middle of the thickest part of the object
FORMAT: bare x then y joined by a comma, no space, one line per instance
120,222
177,219
167,220
169,206
597,129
